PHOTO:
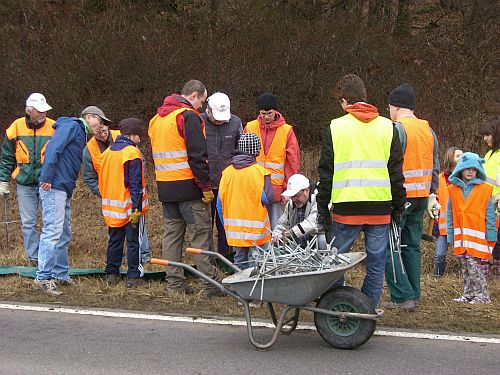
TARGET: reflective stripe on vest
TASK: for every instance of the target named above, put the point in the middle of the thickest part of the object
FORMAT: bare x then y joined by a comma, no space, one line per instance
360,172
492,161
274,160
246,221
469,221
418,159
442,193
116,200
95,151
169,148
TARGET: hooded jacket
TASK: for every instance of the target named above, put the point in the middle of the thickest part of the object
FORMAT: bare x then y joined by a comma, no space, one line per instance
190,127
470,160
363,112
292,160
63,157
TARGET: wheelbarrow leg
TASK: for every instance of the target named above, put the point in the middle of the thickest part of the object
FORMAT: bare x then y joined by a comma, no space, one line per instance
294,320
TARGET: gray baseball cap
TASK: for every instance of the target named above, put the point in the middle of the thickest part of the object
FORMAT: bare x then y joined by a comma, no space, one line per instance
93,110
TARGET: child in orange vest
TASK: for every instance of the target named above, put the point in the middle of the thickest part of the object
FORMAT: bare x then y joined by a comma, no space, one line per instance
124,201
450,161
471,224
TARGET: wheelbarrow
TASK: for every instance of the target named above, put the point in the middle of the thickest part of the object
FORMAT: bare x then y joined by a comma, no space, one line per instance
343,316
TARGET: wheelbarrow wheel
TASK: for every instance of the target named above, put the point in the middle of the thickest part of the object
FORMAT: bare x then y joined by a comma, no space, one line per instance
345,333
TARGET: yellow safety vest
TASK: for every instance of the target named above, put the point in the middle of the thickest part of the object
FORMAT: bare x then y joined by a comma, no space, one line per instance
491,168
360,164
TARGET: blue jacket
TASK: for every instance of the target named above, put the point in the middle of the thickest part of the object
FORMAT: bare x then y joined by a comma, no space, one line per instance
471,160
63,156
132,172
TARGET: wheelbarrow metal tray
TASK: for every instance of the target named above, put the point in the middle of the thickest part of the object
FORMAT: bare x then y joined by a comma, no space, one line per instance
291,289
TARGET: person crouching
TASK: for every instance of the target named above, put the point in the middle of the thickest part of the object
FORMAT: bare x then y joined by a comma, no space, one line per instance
244,191
470,218
124,201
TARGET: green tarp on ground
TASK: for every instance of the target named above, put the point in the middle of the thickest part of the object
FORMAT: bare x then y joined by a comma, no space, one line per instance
31,272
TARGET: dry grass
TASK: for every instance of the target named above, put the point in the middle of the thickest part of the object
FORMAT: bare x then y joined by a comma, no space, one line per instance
87,250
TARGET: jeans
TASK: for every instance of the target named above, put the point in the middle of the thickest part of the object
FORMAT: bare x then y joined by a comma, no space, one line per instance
274,210
222,247
28,201
244,257
376,241
55,236
440,256
115,251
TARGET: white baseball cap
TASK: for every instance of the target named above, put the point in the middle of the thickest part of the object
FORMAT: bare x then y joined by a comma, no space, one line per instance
220,105
296,183
39,102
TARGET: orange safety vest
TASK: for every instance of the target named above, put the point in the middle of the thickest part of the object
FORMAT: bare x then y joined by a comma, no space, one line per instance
95,151
246,221
442,193
469,221
274,160
418,158
116,201
169,148
18,129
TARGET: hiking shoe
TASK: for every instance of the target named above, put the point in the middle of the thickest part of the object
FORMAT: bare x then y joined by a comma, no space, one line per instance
462,299
136,283
211,293
184,289
70,282
48,286
408,306
112,279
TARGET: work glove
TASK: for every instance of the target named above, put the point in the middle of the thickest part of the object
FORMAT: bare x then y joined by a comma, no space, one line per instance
496,201
324,221
433,207
4,187
134,218
208,197
396,217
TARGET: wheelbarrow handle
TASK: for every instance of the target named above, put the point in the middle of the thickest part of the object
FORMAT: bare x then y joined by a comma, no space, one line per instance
192,250
160,262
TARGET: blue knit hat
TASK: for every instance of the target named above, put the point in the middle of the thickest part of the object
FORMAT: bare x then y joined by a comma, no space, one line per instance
470,160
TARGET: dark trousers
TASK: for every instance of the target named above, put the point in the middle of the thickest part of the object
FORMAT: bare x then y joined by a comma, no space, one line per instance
222,247
115,251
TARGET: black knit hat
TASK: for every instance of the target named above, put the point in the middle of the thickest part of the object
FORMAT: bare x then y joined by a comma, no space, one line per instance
249,143
403,96
267,101
131,126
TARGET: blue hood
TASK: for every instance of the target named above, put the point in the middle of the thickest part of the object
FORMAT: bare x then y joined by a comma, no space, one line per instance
468,160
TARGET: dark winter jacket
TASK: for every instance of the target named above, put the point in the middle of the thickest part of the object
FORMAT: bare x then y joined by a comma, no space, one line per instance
221,142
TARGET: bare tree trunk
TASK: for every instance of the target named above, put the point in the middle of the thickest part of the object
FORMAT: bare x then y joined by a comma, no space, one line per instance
380,12
402,25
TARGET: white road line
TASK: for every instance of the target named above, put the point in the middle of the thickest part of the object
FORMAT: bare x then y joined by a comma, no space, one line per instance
173,318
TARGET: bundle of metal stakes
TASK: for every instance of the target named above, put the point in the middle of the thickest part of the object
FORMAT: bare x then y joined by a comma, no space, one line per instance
289,257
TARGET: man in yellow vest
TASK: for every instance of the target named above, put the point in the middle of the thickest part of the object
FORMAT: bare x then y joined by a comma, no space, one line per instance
360,172
177,134
279,154
421,172
23,152
92,158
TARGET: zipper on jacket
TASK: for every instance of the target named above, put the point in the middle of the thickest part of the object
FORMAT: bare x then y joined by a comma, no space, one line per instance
34,156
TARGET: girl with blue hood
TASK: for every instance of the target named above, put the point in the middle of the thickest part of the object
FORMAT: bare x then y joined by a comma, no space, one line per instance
471,225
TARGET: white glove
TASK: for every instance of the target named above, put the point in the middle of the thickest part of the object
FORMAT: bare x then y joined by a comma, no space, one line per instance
433,207
4,187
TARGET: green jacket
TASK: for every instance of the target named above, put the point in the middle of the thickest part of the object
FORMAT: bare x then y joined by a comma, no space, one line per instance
23,150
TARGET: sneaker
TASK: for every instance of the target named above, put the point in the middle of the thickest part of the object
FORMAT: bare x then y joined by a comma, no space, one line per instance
462,299
70,282
408,306
136,283
48,286
476,301
112,279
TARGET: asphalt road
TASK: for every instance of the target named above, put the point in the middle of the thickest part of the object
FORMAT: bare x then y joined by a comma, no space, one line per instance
50,343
